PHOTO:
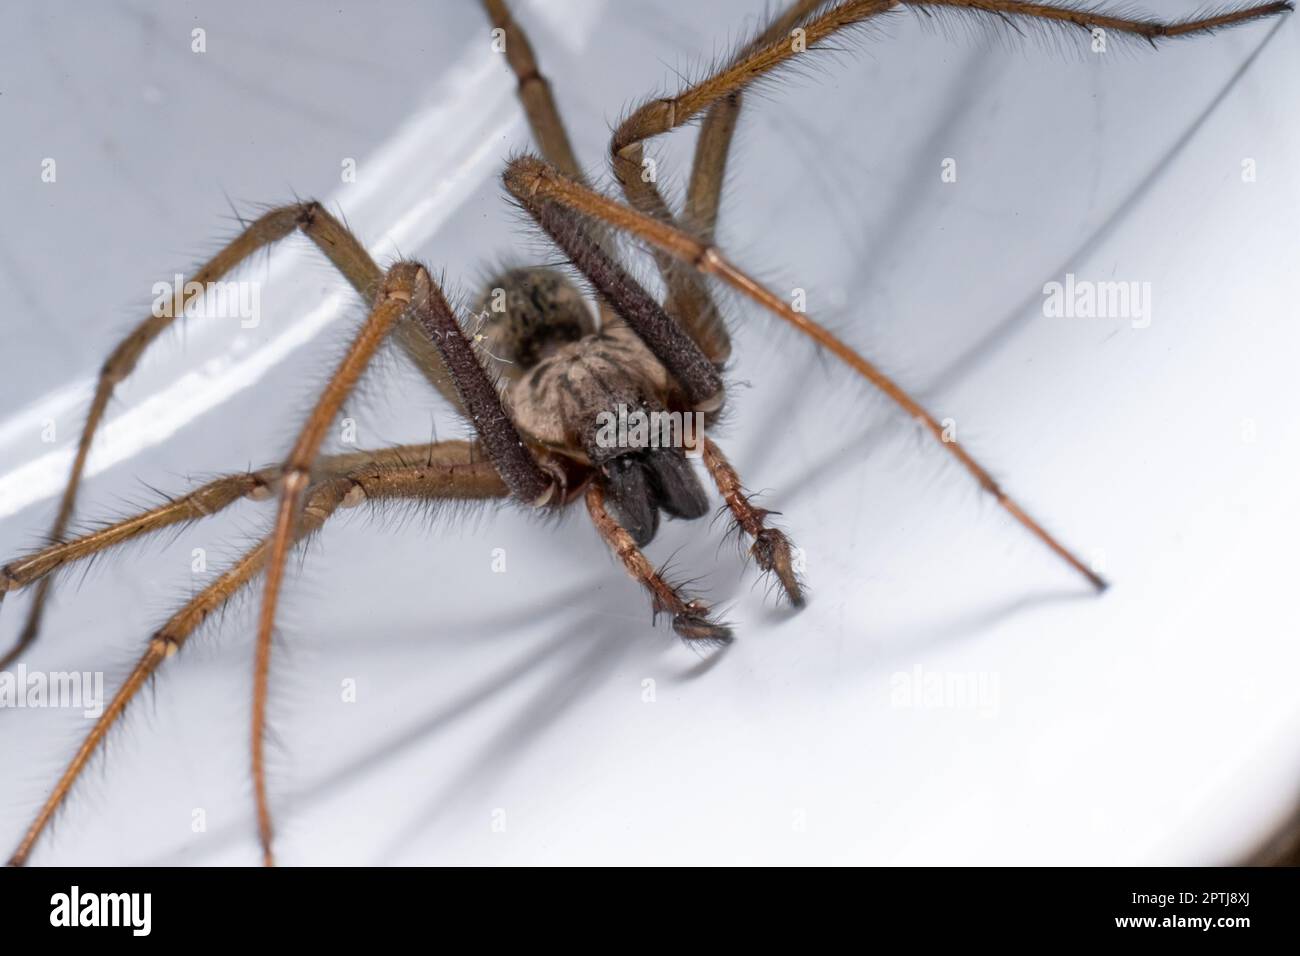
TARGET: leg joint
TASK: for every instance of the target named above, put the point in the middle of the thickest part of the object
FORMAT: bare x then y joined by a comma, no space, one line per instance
405,281
355,494
307,213
164,644
707,258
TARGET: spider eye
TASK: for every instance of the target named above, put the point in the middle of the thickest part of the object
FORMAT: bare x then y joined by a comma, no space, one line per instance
529,313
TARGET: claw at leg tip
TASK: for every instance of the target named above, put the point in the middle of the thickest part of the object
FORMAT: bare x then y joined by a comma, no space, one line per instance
698,628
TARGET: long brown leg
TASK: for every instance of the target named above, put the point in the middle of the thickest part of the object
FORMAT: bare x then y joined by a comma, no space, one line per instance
408,288
690,618
444,472
393,300
166,642
709,168
535,183
664,114
206,500
719,93
689,298
540,107
528,481
535,92
709,165
339,246
771,548
530,181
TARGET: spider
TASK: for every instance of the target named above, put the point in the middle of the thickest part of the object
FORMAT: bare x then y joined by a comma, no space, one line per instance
542,370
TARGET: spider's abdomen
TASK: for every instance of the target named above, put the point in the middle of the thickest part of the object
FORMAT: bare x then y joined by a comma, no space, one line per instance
524,315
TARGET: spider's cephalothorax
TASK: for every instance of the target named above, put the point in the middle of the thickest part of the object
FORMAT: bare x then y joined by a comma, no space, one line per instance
570,385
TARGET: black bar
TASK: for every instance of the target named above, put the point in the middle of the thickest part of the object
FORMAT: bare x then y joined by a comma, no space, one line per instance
861,908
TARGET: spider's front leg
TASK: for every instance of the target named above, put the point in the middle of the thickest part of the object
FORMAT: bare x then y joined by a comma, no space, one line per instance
771,548
690,618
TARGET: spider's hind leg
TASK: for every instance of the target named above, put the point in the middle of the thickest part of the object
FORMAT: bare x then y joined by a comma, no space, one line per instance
691,618
440,472
166,642
40,566
202,502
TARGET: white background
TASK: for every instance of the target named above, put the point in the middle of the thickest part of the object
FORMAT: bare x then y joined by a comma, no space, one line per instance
1154,725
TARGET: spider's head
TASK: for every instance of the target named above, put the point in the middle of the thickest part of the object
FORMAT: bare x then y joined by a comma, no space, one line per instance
524,315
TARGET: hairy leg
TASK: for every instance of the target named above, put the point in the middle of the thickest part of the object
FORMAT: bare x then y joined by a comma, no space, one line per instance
690,618
689,299
534,92
670,343
407,289
540,107
538,186
708,174
664,114
444,472
392,302
771,548
209,499
339,246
